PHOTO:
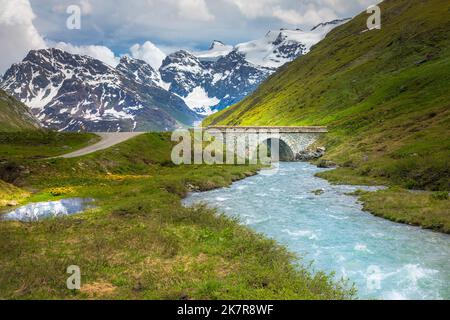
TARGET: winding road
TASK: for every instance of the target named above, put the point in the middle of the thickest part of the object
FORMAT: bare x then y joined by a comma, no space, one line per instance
107,140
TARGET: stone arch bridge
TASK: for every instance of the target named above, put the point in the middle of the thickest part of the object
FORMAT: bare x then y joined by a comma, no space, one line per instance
292,140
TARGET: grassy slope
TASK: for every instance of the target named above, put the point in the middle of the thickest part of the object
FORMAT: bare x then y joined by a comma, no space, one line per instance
429,210
15,116
140,242
388,115
10,194
41,144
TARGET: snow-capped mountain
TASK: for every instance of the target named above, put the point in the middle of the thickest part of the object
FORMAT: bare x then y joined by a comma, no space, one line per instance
141,72
183,71
217,50
275,49
214,79
73,92
233,77
208,86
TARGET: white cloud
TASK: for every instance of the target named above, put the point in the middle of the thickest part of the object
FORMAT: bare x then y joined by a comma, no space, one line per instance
288,16
17,32
86,7
101,53
186,23
254,9
18,36
342,6
149,53
196,10
295,12
312,16
171,49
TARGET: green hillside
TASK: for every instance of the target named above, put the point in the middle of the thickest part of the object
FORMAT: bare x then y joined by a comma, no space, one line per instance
384,94
14,116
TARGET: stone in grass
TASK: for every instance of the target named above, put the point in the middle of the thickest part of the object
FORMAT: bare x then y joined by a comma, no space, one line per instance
326,164
12,203
192,188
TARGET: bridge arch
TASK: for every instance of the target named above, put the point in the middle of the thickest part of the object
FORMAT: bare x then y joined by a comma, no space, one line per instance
286,151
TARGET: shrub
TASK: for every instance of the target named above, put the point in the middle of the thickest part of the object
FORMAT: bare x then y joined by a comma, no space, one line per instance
441,195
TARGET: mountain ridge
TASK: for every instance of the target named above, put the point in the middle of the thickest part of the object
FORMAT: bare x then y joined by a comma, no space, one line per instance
73,92
79,93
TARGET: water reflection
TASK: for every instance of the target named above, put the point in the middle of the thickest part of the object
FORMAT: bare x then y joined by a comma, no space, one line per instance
42,210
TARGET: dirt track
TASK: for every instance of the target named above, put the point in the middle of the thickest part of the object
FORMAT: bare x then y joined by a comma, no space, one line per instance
107,140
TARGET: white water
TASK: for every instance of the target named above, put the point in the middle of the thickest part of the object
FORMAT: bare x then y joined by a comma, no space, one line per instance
385,260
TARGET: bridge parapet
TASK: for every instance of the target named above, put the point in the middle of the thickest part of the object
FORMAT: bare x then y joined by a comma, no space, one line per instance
280,129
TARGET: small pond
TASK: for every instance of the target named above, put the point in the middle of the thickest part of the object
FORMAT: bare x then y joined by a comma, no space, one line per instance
53,209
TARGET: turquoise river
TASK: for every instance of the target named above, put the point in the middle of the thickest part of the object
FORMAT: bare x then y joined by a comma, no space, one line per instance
384,260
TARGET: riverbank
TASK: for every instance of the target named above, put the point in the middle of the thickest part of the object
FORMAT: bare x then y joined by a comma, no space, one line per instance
139,242
427,209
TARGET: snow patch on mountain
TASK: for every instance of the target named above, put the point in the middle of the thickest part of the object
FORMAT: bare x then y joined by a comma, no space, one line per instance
217,50
264,52
199,101
279,47
42,97
141,72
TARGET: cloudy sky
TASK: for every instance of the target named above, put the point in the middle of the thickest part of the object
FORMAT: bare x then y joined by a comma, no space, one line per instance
111,28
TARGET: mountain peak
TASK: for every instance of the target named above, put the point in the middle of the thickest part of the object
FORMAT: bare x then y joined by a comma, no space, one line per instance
216,44
331,23
217,50
181,52
129,61
126,59
128,64
54,53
